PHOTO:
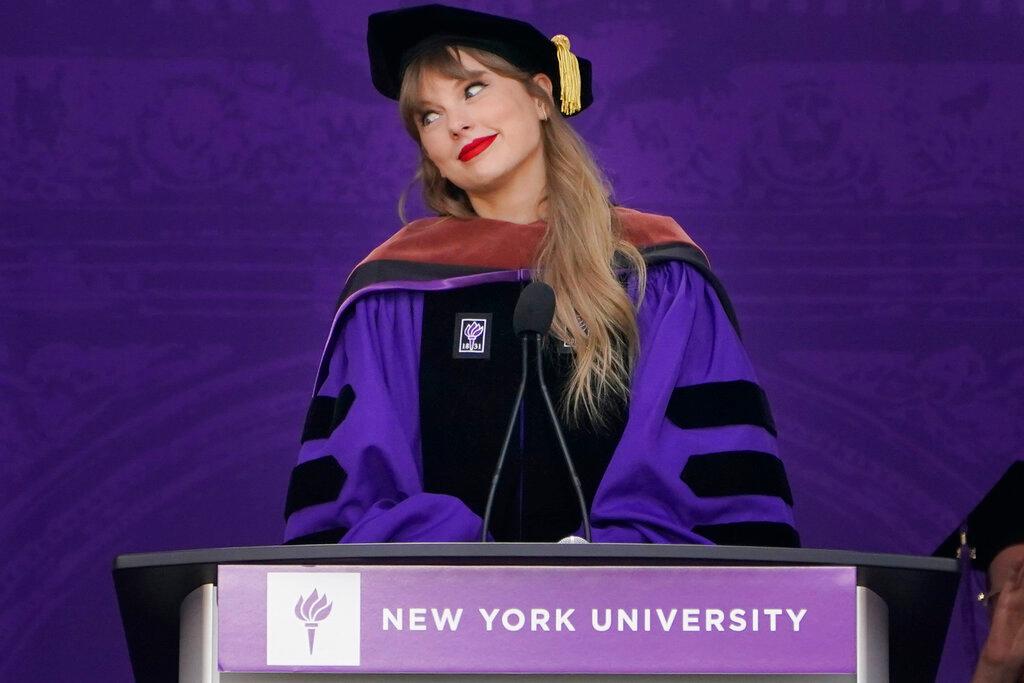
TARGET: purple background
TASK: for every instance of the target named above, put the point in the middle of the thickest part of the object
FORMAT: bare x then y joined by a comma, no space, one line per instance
185,185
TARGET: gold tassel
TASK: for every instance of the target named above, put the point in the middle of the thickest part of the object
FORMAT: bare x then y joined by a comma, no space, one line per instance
568,75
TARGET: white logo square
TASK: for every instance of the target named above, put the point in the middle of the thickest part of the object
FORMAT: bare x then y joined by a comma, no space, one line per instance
313,618
474,335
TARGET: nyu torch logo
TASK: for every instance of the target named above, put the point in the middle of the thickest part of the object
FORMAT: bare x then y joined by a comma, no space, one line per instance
311,611
473,332
327,609
471,336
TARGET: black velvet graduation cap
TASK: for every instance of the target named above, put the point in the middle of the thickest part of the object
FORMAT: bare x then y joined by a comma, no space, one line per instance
395,37
996,523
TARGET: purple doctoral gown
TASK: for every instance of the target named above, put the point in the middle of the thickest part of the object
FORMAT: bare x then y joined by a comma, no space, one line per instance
694,459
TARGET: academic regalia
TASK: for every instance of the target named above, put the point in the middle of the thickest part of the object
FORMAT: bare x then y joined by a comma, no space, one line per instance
395,37
405,424
418,376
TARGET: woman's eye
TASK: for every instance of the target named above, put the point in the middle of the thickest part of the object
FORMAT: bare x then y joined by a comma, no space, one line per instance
425,121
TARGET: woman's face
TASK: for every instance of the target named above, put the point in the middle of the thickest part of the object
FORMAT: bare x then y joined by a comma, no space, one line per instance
457,115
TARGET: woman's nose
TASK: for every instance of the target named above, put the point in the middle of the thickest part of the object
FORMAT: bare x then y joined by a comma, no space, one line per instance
458,126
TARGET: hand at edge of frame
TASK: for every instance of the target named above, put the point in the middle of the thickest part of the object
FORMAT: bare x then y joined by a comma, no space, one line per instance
1002,657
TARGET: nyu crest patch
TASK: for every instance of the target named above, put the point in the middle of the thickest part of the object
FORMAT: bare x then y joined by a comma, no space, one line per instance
472,335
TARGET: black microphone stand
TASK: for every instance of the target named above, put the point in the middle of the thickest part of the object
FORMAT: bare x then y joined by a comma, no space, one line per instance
561,442
533,314
504,444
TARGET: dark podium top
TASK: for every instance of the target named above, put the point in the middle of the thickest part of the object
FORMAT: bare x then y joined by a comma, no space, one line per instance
919,591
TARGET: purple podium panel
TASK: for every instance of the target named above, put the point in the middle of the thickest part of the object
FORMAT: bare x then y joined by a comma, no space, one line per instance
618,620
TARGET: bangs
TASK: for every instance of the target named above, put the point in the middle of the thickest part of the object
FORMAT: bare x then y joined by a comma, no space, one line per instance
441,59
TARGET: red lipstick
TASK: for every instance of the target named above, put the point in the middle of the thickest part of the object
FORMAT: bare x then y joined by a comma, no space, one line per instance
475,147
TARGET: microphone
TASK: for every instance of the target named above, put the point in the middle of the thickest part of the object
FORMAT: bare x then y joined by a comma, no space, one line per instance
573,540
535,320
527,316
532,318
535,310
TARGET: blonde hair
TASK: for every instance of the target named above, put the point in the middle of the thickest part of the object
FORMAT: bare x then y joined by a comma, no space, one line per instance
576,256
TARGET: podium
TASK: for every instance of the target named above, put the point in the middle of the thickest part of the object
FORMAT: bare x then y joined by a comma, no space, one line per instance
472,611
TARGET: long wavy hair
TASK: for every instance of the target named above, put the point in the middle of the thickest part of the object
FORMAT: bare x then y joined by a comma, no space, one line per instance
577,255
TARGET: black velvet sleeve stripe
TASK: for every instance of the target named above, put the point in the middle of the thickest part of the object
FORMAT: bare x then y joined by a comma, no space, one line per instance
318,418
715,404
314,482
346,397
326,536
737,473
771,534
326,413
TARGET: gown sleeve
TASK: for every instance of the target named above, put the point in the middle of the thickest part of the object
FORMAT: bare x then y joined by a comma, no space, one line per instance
697,461
359,472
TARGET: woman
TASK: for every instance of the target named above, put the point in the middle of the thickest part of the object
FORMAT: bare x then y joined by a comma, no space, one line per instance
669,432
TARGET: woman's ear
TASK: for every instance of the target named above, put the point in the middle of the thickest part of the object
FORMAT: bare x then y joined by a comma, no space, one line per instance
543,81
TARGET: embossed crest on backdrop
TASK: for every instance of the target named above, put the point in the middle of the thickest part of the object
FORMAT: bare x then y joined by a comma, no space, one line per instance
185,184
